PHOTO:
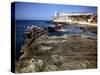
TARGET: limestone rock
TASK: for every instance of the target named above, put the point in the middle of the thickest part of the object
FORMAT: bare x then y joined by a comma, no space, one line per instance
50,68
33,65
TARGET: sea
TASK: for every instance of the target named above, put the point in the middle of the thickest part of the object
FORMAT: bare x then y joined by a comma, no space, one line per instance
21,25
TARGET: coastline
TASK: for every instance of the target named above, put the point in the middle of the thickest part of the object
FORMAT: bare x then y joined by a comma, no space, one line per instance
53,53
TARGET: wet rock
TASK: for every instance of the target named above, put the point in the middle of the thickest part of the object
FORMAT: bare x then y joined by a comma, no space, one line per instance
89,35
45,48
50,68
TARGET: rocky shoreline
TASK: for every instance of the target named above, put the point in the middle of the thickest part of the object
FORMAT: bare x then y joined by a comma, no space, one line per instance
56,53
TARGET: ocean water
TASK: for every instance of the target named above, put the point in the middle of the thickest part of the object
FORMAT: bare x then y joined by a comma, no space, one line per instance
21,25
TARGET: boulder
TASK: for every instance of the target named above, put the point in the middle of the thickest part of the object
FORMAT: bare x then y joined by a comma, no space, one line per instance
33,65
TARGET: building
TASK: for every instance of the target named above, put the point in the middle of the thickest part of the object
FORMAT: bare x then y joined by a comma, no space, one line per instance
74,17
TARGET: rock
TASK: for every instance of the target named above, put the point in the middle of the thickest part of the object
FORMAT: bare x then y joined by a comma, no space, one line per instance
89,36
50,68
57,60
45,48
30,68
39,65
60,53
75,65
33,65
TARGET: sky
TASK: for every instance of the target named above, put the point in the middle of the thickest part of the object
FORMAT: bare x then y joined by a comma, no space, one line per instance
41,11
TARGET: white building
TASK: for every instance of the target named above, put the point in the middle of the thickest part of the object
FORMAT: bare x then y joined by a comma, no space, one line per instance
73,17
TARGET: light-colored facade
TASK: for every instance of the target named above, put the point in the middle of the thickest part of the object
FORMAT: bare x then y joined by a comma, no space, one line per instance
74,17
